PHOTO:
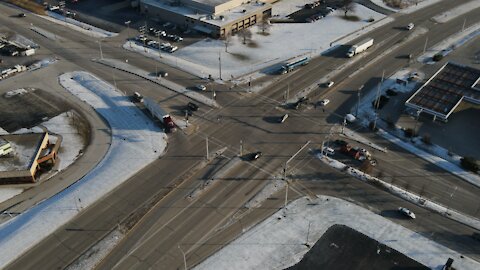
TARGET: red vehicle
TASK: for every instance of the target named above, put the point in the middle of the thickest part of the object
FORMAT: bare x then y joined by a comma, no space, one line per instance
169,124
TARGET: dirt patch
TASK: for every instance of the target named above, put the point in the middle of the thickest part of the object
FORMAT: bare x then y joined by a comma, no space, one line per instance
28,107
28,5
252,44
341,247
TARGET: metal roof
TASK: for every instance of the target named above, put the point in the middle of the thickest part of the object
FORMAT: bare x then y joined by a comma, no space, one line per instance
444,91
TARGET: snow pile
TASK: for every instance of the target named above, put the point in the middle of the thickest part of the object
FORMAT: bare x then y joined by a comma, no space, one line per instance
24,42
20,92
458,11
202,58
42,63
136,141
279,241
7,193
84,28
448,45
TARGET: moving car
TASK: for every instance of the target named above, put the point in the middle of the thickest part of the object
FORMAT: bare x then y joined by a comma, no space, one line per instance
406,212
329,84
255,155
192,106
324,102
201,87
21,15
409,26
162,74
283,118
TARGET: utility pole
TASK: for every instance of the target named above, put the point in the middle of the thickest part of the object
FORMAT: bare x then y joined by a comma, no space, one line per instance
100,45
425,46
220,64
286,196
358,95
128,31
416,123
241,147
208,157
377,101
464,22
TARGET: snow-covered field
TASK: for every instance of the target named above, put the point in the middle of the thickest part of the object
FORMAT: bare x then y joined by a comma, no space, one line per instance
73,24
279,241
136,141
285,41
458,11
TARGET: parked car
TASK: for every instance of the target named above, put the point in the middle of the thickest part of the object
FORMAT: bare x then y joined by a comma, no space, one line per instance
192,106
201,87
409,26
324,102
406,212
137,97
340,142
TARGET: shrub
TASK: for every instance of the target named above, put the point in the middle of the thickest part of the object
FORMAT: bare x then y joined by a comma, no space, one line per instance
427,139
469,163
409,132
437,57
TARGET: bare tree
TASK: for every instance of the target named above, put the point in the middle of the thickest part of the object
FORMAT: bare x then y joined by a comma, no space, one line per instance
347,5
226,40
265,25
245,34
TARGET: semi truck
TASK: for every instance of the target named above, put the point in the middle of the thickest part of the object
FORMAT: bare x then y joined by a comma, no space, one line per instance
360,47
289,66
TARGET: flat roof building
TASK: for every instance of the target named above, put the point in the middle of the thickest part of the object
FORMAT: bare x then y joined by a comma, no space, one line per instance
29,151
446,89
213,17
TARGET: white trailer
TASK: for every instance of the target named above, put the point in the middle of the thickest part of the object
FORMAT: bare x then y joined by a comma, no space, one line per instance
360,47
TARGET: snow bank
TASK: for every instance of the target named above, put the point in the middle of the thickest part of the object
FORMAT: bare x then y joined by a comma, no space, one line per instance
279,241
7,193
81,27
136,141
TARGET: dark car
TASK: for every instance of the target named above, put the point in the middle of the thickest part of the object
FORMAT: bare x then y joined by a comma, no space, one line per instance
255,155
21,15
192,106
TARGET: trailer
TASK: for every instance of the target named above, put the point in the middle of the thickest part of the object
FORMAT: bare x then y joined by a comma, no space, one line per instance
289,66
360,47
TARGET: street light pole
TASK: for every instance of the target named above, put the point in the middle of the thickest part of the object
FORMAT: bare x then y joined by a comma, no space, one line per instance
377,101
220,64
207,148
128,31
100,45
358,95
425,46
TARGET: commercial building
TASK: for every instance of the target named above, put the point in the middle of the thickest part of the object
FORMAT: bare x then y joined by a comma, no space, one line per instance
216,18
445,90
28,153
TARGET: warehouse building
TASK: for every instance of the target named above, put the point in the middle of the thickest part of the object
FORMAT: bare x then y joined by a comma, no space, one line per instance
216,18
26,155
445,90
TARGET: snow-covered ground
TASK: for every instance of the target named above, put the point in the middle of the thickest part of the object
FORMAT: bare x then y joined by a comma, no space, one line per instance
202,58
448,45
414,5
7,193
279,241
458,11
73,24
136,141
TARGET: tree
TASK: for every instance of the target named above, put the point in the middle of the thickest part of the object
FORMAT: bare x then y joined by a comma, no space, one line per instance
265,25
226,40
469,163
347,5
245,34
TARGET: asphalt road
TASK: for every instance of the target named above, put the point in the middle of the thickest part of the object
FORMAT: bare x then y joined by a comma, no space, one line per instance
176,220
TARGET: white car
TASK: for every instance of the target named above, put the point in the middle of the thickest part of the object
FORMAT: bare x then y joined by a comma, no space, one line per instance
328,151
329,84
324,102
410,26
201,87
406,212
